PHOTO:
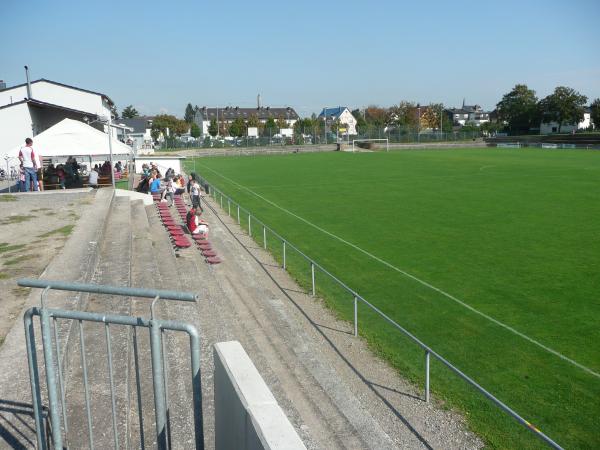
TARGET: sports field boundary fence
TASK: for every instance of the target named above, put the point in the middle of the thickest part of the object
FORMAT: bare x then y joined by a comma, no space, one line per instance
228,205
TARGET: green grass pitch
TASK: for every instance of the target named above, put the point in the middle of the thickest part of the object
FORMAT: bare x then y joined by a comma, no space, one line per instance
507,240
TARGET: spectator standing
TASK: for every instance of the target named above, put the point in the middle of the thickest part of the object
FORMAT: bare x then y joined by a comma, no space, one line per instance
30,164
195,194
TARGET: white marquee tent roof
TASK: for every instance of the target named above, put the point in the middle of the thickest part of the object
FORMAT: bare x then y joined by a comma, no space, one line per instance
71,137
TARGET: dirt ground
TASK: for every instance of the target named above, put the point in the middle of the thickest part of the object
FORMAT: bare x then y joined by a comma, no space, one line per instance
33,229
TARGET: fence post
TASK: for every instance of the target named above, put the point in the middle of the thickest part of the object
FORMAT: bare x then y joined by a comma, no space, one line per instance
312,271
160,411
283,255
50,377
264,237
228,208
427,376
238,213
221,197
355,316
249,226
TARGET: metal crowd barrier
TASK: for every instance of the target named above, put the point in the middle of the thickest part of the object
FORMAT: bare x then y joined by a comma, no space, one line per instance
55,382
218,197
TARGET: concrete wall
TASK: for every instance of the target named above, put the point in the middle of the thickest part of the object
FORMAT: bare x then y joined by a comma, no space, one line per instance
247,415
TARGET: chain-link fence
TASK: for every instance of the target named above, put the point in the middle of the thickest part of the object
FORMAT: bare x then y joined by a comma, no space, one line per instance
316,136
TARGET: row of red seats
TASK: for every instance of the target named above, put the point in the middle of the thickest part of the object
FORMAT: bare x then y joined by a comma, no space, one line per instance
178,232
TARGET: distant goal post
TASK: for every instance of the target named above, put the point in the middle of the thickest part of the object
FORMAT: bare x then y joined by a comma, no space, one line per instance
358,141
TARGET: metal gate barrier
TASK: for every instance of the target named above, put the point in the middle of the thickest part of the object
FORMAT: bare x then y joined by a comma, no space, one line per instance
52,360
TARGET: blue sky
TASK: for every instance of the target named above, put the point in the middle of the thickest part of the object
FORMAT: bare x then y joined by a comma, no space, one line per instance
159,56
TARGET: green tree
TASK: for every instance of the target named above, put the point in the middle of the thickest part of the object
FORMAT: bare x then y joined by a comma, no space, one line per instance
113,112
281,122
519,109
360,120
195,131
595,113
129,112
189,113
376,116
237,127
253,121
565,105
404,115
213,130
175,126
270,127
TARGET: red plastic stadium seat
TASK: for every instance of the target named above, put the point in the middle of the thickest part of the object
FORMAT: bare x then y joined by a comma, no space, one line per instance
209,253
183,243
214,260
198,237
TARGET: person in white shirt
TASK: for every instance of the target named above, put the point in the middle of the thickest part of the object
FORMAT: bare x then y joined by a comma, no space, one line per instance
93,179
30,164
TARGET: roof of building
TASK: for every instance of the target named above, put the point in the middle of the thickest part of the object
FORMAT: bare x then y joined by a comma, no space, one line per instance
139,124
333,112
63,85
39,103
262,113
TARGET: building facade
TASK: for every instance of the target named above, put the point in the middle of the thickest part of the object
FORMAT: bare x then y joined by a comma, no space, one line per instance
468,114
26,111
226,116
341,114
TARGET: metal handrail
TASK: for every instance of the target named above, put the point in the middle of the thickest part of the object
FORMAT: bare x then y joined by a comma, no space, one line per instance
357,297
110,290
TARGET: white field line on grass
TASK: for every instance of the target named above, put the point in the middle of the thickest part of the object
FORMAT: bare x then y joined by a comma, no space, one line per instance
412,277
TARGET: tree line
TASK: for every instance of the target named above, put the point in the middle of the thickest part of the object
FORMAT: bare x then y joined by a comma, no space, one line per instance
518,112
521,110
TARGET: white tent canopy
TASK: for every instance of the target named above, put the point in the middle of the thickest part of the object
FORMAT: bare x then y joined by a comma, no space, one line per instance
73,138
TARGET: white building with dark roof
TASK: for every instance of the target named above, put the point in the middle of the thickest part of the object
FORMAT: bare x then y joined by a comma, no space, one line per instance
26,111
341,114
228,114
468,114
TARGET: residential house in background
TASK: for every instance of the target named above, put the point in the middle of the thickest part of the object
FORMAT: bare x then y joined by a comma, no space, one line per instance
140,136
468,114
341,114
552,127
28,109
227,115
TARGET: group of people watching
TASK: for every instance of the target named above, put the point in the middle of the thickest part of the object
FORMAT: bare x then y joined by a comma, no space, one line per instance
170,185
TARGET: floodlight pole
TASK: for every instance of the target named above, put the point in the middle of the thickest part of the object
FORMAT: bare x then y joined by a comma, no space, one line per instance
112,170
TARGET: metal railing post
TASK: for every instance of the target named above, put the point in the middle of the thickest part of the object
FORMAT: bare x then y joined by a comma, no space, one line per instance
265,237
355,316
238,213
34,380
112,384
50,378
249,226
427,376
158,382
221,198
312,273
86,388
283,255
228,208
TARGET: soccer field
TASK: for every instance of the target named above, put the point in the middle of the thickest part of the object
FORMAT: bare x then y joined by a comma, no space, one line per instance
491,257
